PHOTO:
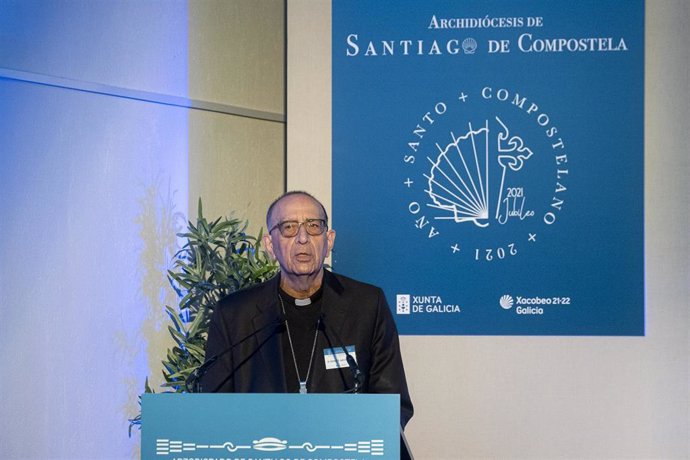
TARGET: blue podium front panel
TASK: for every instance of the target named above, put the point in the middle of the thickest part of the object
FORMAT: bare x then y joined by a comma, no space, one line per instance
270,426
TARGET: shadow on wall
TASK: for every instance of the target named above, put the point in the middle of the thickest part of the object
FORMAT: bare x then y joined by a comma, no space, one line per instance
158,223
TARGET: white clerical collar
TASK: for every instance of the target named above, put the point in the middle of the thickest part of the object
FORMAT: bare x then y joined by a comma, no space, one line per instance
315,297
303,302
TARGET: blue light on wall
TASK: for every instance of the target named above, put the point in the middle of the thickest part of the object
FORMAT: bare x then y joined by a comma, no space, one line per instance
93,169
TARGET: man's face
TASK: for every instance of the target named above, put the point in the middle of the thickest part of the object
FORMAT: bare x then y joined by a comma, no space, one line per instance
302,254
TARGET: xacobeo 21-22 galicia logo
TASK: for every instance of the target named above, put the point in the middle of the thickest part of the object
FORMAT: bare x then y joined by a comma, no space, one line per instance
486,174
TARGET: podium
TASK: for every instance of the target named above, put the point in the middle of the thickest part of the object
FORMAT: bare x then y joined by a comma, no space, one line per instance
206,426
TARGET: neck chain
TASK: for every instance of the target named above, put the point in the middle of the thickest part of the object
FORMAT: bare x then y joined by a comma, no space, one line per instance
302,383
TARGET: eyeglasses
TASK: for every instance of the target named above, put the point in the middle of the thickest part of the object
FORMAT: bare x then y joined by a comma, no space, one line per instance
290,228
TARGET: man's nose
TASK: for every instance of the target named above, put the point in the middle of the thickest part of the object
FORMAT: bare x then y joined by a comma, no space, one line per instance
302,235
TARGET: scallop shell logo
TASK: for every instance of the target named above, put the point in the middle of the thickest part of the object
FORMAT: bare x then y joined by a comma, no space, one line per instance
506,302
458,182
469,45
459,178
484,179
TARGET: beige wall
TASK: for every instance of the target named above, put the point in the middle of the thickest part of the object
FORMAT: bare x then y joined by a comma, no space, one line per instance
544,397
309,98
236,66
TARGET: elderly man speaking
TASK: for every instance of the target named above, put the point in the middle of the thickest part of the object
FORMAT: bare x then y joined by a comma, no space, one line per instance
278,336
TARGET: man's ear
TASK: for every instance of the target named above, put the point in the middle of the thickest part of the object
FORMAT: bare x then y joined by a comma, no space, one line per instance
268,244
330,235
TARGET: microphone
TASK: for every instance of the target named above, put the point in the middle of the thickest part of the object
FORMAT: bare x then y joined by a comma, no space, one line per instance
196,375
357,374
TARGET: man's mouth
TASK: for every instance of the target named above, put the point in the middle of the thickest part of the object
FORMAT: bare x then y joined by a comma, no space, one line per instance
303,257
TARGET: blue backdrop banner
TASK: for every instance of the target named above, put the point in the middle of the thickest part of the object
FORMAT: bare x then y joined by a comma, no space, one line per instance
488,163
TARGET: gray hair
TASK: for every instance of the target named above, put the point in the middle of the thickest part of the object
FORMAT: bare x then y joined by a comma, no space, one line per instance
286,194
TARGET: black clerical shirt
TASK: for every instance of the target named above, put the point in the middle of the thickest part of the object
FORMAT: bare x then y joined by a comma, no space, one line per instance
302,323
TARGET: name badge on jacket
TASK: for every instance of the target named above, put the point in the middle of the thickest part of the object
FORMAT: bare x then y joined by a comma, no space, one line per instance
336,358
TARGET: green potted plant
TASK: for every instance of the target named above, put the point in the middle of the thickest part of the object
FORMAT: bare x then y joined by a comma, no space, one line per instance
218,258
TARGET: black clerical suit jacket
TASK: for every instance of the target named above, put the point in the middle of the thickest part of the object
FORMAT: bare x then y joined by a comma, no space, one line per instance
354,312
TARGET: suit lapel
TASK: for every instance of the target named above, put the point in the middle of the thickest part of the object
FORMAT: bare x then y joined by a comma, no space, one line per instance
268,339
334,313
